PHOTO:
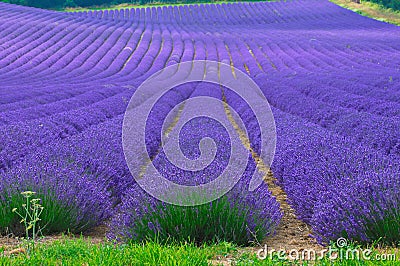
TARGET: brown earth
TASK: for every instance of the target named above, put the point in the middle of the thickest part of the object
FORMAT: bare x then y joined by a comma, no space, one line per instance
11,243
291,232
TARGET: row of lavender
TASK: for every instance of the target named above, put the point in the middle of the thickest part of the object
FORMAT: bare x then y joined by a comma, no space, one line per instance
331,76
117,41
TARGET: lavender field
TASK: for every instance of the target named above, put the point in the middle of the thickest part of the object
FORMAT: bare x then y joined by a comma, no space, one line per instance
331,77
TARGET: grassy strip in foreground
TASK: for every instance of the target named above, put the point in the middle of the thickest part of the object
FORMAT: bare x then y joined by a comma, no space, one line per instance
82,252
371,10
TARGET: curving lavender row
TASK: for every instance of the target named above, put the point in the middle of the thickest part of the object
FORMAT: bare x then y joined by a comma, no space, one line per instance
331,76
262,209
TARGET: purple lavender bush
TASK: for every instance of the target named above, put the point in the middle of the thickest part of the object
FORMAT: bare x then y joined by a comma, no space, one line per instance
241,216
72,200
364,210
244,220
344,190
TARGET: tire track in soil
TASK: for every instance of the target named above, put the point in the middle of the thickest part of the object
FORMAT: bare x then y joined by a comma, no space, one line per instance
291,233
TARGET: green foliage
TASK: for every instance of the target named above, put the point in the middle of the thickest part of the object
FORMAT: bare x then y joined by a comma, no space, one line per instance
218,221
394,4
38,3
386,230
56,216
93,3
81,252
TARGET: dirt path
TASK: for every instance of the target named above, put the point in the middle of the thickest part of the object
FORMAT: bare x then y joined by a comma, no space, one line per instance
291,233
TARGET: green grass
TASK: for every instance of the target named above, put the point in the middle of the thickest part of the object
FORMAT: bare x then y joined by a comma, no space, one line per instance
251,259
338,256
80,251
